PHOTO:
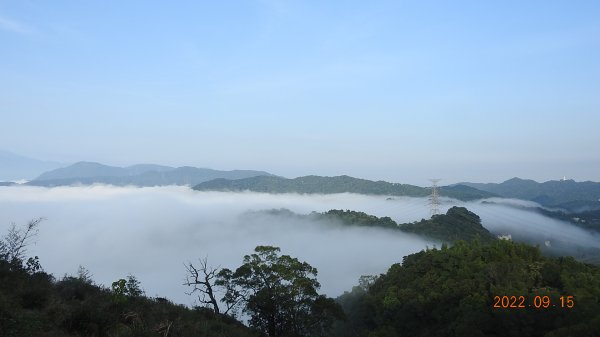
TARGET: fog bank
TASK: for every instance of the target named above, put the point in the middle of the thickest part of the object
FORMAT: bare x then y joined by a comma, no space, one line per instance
150,232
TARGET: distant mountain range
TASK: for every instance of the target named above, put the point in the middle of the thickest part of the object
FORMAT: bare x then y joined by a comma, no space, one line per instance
571,196
15,167
566,194
339,184
86,173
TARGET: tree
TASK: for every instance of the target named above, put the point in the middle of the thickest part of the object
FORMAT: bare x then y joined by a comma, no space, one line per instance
279,293
13,246
134,286
84,275
202,280
123,289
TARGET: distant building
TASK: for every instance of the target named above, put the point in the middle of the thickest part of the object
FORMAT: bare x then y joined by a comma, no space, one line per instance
505,237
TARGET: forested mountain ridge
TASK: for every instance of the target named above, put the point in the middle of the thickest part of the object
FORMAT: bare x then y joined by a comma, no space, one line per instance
457,224
138,175
337,184
453,291
567,194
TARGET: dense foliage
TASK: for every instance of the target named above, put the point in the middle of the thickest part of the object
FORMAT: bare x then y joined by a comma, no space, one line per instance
450,292
339,184
279,293
457,224
355,218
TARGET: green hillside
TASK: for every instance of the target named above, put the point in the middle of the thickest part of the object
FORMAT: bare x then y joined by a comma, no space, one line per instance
451,292
355,218
338,184
457,224
35,304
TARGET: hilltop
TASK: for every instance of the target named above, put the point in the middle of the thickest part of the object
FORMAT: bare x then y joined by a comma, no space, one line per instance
457,224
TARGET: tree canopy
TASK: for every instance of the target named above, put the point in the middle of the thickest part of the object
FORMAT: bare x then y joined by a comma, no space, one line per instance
457,224
279,293
451,292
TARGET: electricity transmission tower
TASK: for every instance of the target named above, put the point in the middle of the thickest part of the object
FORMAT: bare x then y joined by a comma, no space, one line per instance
434,198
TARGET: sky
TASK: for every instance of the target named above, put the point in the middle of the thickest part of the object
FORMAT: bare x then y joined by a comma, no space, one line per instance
401,91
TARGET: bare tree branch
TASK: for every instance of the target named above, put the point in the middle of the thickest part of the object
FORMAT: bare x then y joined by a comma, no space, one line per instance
202,279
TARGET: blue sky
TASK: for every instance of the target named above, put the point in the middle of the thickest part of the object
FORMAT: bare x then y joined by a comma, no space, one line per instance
400,91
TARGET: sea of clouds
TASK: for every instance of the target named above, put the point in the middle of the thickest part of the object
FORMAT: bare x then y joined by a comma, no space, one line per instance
151,232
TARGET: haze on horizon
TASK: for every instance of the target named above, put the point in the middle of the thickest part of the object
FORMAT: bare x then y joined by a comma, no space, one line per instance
463,91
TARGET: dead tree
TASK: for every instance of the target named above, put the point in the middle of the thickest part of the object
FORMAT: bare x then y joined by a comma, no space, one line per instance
202,279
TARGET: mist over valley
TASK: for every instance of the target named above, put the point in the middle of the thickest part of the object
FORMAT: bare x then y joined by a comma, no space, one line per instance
151,232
